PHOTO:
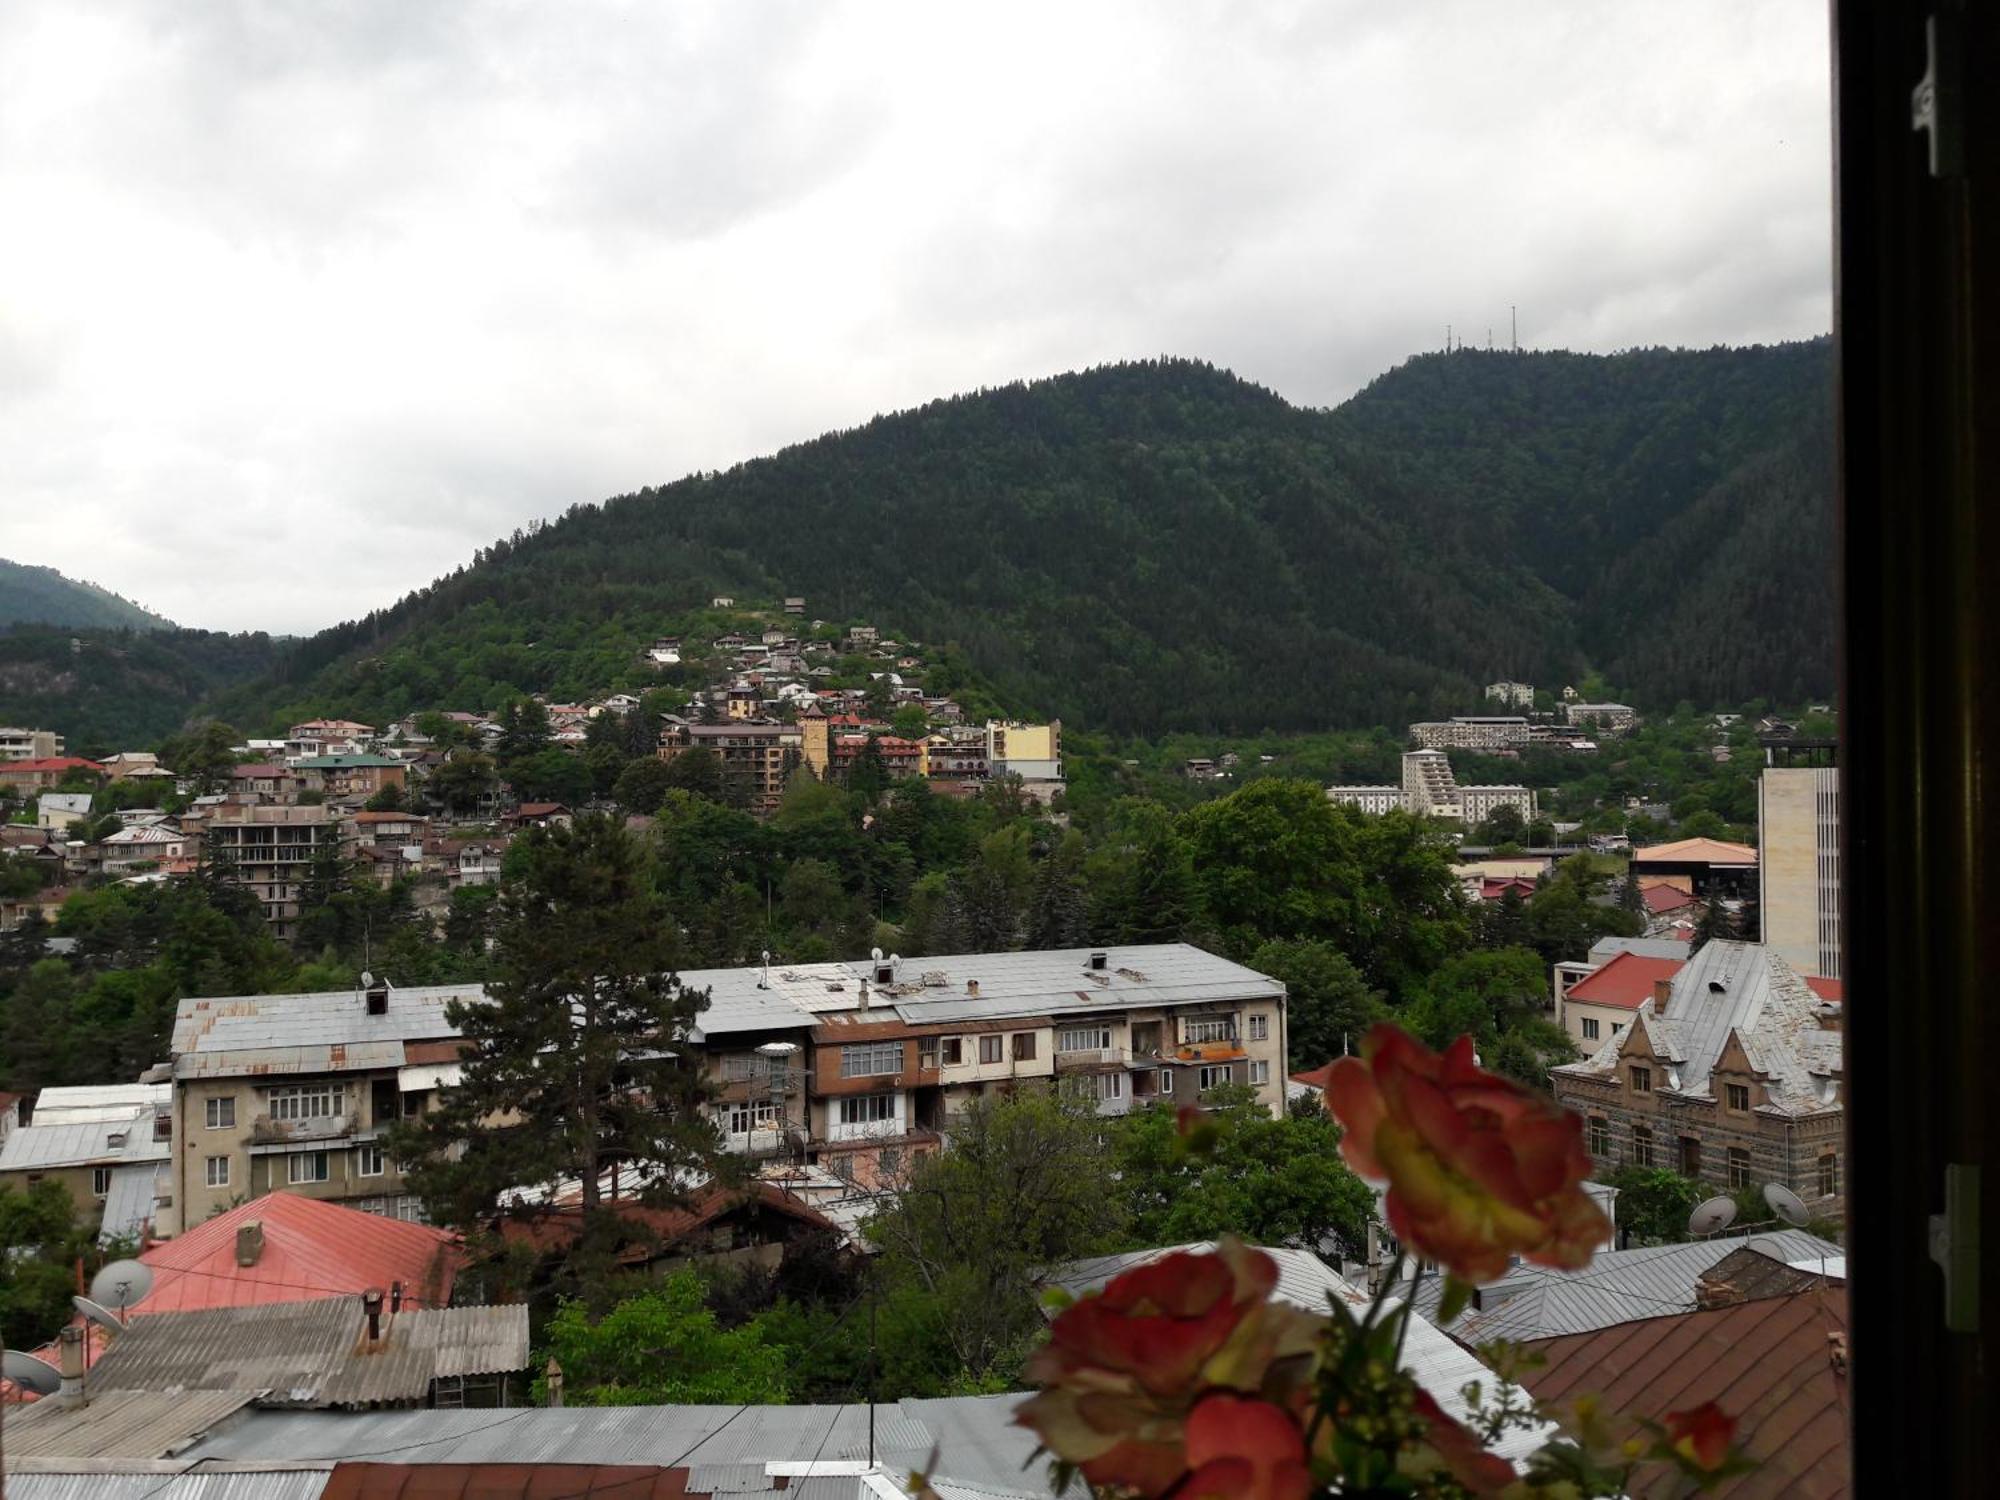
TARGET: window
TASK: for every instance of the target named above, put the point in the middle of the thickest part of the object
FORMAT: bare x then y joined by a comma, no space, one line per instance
1737,1096
1260,1028
1210,1029
1111,1085
744,1118
1260,1072
1739,1167
221,1113
307,1166
100,1181
867,1109
217,1171
1642,1146
1616,1027
1166,1080
1597,1132
952,1050
1590,1028
871,1059
888,1162
1642,1080
1690,1156
1024,1046
1829,1176
843,1167
990,1049
308,1101
1214,1077
1083,1039
373,1162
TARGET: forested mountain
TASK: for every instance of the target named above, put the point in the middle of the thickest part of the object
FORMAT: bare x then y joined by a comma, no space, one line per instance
111,690
42,596
1160,545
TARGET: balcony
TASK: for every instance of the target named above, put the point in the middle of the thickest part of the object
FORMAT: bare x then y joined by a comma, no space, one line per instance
1094,1060
748,1086
266,1131
1188,1053
1117,1104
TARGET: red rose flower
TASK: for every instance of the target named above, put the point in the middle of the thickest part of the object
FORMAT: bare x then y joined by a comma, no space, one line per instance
1122,1370
1701,1435
1242,1449
1479,1168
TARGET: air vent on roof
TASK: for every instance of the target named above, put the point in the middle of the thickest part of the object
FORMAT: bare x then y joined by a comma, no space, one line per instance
115,1138
376,992
1717,987
1098,959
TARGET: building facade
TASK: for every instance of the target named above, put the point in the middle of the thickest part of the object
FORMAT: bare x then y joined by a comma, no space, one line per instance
1604,718
1511,694
1798,866
270,850
1430,790
1729,1074
1472,732
29,744
756,756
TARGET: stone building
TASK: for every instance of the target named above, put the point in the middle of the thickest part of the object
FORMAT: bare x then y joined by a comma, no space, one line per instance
1729,1073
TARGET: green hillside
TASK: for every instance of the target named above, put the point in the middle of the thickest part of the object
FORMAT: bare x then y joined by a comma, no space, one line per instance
42,596
1161,546
111,690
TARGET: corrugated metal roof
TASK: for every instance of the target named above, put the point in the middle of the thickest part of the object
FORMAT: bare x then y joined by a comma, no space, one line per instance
118,1424
1777,1365
1440,1365
1010,984
512,1482
322,1018
332,1057
1618,1286
154,1484
35,1147
128,1207
73,1103
313,1353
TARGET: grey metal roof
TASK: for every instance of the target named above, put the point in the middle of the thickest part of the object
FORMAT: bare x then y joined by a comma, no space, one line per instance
1618,1286
1010,984
313,1353
1741,988
240,1062
128,1206
73,1103
1607,948
1440,1365
86,1143
161,1483
118,1424
978,1445
321,1018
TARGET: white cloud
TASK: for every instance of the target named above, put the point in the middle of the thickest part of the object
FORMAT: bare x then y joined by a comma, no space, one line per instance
301,304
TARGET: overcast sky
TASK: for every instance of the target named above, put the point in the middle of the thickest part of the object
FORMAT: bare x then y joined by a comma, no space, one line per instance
300,303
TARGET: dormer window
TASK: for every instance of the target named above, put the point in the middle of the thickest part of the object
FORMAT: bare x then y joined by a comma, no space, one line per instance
1737,1097
1642,1080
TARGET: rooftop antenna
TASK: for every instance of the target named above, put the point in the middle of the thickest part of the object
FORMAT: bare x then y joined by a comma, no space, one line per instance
29,1373
1787,1205
1712,1217
122,1284
99,1314
765,982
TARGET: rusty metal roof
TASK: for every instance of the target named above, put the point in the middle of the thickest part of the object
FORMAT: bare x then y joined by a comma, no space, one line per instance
1779,1365
514,1482
119,1424
314,1354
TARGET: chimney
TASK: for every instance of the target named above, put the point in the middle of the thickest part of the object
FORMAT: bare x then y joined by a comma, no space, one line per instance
378,998
972,988
1663,990
72,1361
249,1242
371,1304
862,1003
1098,959
555,1382
395,1296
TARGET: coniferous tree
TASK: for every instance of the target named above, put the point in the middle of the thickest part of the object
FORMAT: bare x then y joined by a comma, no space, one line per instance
1060,915
576,1062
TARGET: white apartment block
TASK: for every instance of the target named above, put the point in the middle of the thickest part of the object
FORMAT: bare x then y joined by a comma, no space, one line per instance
1430,790
1798,866
1606,718
29,744
1472,732
1511,694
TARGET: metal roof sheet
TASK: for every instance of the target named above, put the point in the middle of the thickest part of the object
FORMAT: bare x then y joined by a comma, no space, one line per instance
34,1147
313,1353
143,1483
350,1057
118,1424
128,1206
321,1018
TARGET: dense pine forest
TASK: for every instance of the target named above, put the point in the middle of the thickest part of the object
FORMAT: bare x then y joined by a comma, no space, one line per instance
42,596
1161,547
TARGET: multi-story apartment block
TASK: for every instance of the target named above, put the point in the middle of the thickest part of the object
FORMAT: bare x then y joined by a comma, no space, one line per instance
29,744
1430,790
347,777
858,1066
270,849
756,755
1729,1073
1472,732
1511,694
1605,718
1031,751
317,737
293,1093
1798,865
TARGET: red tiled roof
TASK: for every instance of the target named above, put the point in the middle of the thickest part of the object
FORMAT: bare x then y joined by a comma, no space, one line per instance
1625,981
52,763
311,1250
517,1481
1777,1364
390,817
1495,887
1660,899
1825,988
1316,1077
1696,852
539,809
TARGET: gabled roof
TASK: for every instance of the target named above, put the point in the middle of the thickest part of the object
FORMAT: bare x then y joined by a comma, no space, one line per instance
311,1250
50,763
1625,981
1696,852
1779,1365
1660,899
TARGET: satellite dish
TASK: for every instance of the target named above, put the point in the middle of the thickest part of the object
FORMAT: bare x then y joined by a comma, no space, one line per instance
1787,1205
30,1374
366,979
876,954
1713,1215
99,1314
122,1284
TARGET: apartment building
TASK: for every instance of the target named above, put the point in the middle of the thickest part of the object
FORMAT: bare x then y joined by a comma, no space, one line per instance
756,755
293,1093
317,737
1729,1073
29,744
1430,790
1370,799
351,777
106,1144
1511,694
1032,752
858,1067
1605,718
1798,865
270,849
1472,732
